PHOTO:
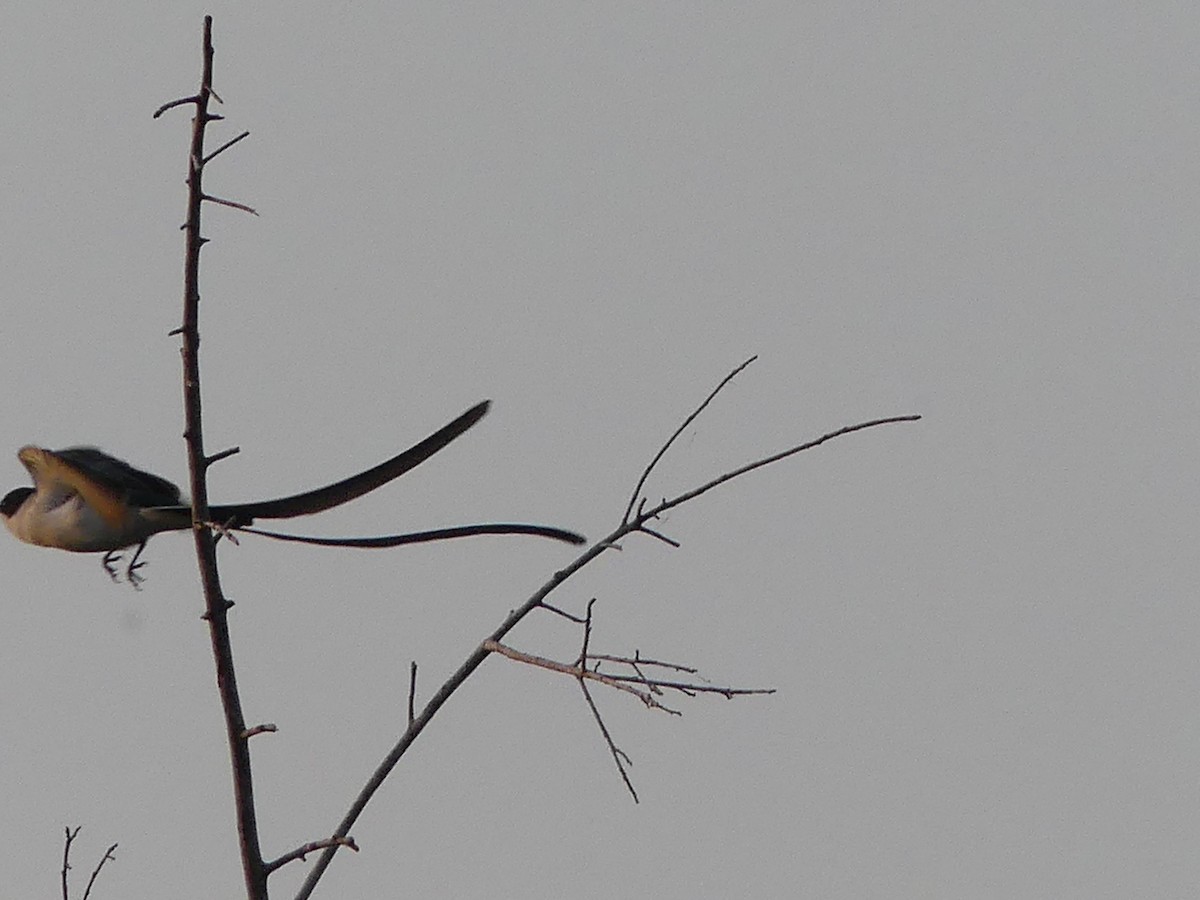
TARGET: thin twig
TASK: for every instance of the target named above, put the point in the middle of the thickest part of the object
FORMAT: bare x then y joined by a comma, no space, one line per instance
660,536
412,692
765,461
688,687
562,612
66,866
637,490
230,203
182,101
225,146
224,454
587,635
620,757
108,855
575,670
311,847
643,661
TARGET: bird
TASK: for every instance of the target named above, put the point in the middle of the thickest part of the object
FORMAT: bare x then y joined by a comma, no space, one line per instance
86,501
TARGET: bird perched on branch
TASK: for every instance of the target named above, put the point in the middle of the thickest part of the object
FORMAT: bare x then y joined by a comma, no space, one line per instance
86,501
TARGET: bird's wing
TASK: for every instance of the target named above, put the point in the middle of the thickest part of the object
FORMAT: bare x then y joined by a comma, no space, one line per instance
60,475
137,487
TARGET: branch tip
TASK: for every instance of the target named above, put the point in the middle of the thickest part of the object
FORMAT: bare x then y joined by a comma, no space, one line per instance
217,457
182,101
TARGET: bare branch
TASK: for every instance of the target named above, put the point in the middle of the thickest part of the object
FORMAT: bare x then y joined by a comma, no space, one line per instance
66,866
575,670
225,146
265,728
182,101
662,537
766,461
485,648
587,635
224,454
620,757
311,847
108,856
412,692
642,661
562,612
637,490
233,204
216,606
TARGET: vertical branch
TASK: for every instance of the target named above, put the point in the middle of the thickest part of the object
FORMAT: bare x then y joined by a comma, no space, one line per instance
215,603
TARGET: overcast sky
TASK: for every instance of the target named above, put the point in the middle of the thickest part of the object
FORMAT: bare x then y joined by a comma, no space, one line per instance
982,626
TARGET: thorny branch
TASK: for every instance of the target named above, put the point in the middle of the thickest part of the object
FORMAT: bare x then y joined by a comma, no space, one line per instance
216,606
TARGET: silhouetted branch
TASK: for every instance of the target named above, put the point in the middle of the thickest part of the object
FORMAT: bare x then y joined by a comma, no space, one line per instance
641,482
216,606
108,856
311,847
66,865
412,691
630,523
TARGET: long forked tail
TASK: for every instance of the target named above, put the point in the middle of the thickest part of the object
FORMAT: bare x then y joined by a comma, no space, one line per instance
239,515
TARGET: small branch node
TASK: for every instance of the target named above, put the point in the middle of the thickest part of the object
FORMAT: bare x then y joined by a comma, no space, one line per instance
217,457
228,605
265,728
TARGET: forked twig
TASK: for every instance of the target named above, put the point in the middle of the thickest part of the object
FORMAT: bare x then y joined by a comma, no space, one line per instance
641,482
108,855
66,865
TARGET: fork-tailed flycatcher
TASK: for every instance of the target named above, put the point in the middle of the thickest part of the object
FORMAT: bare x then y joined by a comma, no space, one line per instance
84,500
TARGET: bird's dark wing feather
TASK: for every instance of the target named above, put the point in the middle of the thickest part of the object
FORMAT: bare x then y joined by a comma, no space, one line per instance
136,487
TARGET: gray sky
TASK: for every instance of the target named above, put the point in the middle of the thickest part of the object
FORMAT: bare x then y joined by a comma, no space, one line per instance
982,627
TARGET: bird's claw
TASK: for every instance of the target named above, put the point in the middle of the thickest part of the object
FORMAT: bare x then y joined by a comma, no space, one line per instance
108,562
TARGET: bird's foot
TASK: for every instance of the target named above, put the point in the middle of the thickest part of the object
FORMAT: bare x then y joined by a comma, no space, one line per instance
109,562
133,577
